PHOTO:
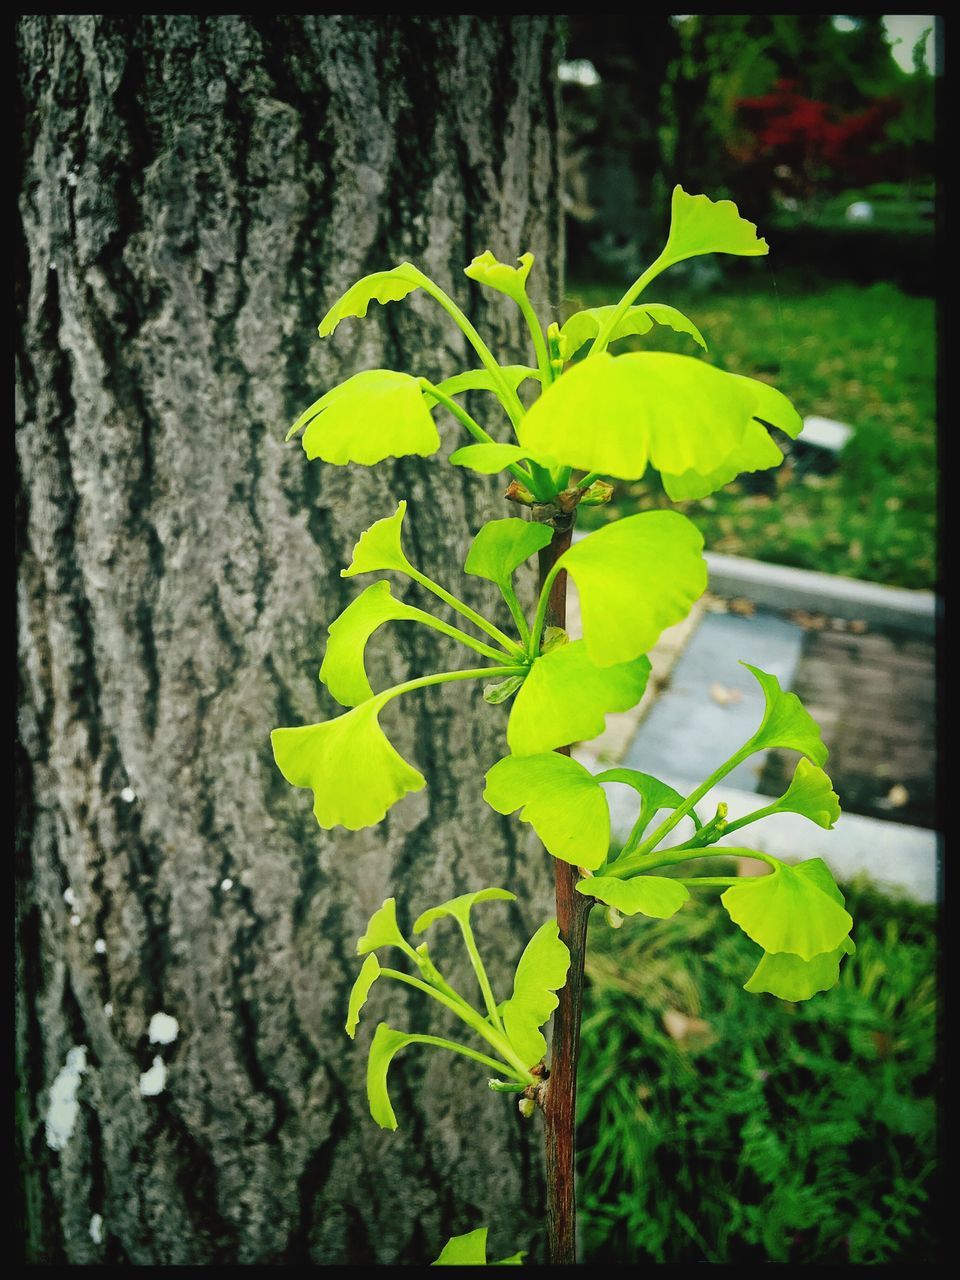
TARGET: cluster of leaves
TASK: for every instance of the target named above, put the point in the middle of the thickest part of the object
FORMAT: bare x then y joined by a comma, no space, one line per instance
714,1127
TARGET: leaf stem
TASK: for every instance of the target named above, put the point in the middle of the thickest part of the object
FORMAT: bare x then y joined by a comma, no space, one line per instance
458,606
439,1043
462,637
516,469
542,605
539,342
513,604
478,968
602,339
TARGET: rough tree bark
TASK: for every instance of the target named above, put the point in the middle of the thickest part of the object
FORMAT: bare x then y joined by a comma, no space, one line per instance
194,192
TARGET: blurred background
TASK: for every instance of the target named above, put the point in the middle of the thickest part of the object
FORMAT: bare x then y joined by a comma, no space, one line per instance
799,1133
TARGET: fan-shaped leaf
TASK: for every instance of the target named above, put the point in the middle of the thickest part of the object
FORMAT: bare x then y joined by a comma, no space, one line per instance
501,546
459,908
488,459
654,794
560,799
701,225
512,281
369,973
565,698
343,670
349,764
796,909
811,794
542,971
382,286
482,380
379,547
585,325
470,1250
786,723
656,896
374,415
384,1047
636,577
382,929
791,978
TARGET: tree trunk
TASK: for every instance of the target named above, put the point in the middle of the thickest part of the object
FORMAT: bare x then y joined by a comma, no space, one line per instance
195,192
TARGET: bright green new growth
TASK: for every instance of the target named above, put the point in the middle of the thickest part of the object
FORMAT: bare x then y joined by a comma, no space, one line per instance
470,1250
511,1028
604,415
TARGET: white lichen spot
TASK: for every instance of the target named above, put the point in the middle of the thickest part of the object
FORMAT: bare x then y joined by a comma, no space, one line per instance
74,920
108,1008
226,884
154,1081
96,1229
164,1029
72,178
52,266
100,946
69,897
128,795
63,1107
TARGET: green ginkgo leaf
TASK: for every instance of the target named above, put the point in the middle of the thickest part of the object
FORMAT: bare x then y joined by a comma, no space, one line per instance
560,799
501,547
374,415
382,929
349,764
369,973
343,670
791,978
541,972
379,547
701,225
585,325
811,794
565,698
488,459
512,281
470,1250
635,577
654,794
795,909
786,723
384,1047
656,896
482,380
460,907
382,286
694,423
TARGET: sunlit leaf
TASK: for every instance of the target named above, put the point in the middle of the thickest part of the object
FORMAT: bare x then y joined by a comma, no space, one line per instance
791,978
635,577
382,929
369,973
374,415
585,325
482,380
343,670
349,764
501,690
386,1044
470,1250
565,698
701,225
512,281
614,414
501,546
786,723
488,459
795,909
656,896
542,971
379,547
460,907
560,799
382,286
811,794
654,794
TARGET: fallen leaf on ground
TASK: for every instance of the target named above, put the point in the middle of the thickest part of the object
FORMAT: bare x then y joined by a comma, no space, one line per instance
724,696
687,1032
745,608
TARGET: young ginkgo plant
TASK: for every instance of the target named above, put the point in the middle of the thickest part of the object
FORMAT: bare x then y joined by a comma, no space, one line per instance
588,417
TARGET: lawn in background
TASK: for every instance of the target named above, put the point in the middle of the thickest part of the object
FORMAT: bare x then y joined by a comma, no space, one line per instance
864,355
719,1126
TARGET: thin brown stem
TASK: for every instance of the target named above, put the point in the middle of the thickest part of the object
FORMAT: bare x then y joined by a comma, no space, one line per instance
559,1097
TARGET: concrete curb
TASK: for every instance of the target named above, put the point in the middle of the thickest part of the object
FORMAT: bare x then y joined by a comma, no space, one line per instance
779,587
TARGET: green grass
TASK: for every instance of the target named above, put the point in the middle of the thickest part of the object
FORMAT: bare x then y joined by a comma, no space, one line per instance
772,1132
862,355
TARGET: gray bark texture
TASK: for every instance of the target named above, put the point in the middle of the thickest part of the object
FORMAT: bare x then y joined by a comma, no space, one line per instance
195,192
